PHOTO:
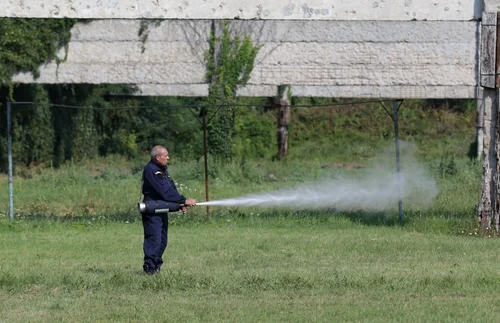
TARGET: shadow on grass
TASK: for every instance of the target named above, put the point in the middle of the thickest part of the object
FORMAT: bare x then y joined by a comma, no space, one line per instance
84,218
418,220
454,223
387,218
375,218
437,221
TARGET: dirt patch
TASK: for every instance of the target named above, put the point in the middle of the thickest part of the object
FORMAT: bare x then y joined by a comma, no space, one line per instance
342,165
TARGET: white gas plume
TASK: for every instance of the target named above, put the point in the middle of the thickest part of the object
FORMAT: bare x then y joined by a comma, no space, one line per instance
378,187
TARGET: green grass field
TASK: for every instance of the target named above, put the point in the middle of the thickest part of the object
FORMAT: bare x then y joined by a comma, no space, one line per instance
74,251
316,268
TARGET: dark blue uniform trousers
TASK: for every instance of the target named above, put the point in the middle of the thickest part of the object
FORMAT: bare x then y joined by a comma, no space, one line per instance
155,240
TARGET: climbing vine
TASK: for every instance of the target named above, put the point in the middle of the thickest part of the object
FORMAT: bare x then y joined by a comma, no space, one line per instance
143,32
230,61
28,43
25,44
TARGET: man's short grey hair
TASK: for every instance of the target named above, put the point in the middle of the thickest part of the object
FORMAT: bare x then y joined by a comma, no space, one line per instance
157,150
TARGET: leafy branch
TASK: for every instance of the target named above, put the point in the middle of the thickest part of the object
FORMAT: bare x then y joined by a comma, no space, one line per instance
230,61
28,43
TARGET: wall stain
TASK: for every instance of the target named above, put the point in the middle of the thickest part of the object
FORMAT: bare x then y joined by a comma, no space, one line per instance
112,3
288,10
306,11
309,12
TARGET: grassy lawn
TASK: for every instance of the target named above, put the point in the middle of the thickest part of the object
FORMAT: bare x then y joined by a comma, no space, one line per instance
74,251
317,267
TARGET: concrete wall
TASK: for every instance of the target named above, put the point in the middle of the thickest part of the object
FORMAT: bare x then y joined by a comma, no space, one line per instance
243,9
396,59
491,5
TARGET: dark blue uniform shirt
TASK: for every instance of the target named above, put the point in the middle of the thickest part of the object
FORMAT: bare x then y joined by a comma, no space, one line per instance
157,185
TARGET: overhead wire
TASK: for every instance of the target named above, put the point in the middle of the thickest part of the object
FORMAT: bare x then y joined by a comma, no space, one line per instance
199,105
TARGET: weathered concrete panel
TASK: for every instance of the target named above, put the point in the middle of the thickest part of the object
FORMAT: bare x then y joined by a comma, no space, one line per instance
332,58
241,9
491,6
399,92
194,90
201,90
123,73
297,53
396,92
282,31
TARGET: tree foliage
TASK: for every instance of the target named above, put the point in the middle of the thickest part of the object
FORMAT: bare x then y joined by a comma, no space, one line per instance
28,43
86,121
230,60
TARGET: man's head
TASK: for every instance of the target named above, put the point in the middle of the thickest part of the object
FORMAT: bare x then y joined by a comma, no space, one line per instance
159,155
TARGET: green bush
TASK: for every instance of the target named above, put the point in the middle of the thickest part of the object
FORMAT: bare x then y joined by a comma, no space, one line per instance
255,134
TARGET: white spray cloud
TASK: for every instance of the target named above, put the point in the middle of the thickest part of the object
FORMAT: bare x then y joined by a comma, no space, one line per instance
376,188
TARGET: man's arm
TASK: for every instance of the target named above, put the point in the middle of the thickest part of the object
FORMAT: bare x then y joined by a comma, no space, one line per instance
164,188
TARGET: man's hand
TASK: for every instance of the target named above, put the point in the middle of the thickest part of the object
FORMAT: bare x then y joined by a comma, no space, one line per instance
190,202
184,209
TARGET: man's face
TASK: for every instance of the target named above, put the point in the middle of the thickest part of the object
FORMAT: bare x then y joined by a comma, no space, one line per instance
162,158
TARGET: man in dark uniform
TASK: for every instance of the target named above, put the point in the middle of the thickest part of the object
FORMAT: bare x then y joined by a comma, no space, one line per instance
157,185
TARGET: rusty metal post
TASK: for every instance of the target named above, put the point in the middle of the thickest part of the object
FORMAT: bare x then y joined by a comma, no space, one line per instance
395,108
203,114
283,120
9,153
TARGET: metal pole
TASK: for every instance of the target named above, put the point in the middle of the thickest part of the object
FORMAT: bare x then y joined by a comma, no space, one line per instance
9,152
398,162
204,118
